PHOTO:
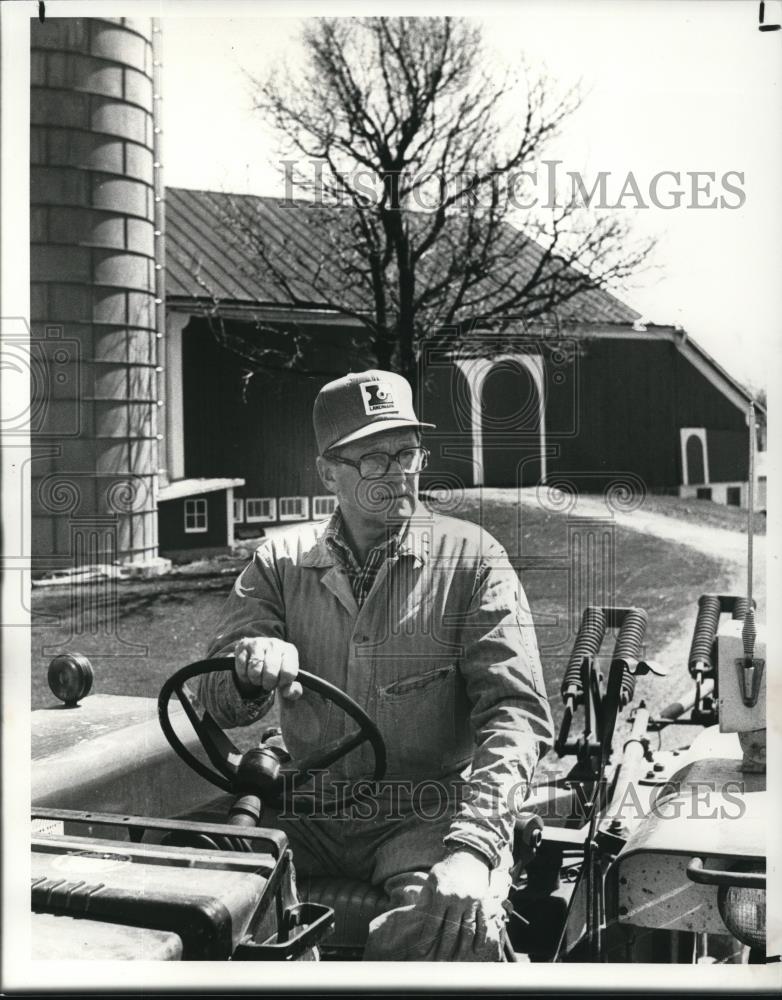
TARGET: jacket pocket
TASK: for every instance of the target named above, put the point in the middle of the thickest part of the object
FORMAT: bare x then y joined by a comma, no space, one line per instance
423,723
418,683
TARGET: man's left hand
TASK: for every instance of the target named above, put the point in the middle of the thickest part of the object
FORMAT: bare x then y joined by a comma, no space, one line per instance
452,901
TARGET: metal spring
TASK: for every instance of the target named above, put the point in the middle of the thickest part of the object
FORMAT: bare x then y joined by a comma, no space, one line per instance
740,608
588,640
704,634
629,645
749,633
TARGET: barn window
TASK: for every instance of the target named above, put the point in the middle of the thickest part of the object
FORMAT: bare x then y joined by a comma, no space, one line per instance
733,496
323,506
196,519
261,509
238,510
703,493
294,508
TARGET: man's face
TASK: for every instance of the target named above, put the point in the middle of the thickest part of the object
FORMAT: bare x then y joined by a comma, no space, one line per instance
388,499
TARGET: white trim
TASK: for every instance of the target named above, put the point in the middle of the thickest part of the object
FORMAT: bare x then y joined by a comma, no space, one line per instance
194,487
260,518
229,517
305,509
685,433
691,349
252,313
316,501
175,420
719,492
475,371
711,370
238,503
697,360
613,331
196,513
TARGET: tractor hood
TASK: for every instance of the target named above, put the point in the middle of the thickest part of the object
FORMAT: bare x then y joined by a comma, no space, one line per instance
109,754
709,809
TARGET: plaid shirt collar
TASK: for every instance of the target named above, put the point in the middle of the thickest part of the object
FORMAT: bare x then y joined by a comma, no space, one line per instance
361,577
415,540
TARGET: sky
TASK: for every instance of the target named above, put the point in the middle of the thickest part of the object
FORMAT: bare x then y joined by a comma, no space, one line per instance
669,85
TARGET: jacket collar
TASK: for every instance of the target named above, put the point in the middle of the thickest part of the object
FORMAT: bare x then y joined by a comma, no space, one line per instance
415,541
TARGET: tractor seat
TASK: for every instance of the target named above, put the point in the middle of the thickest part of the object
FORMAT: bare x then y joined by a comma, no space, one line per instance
355,904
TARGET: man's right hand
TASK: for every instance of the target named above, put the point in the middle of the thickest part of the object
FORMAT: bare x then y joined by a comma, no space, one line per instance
261,665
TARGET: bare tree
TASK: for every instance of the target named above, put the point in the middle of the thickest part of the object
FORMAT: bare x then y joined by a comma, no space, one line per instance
411,152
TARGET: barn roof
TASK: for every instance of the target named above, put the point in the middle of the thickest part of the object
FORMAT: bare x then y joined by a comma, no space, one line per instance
210,257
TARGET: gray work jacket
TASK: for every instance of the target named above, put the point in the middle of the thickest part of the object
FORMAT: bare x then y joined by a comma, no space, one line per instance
442,655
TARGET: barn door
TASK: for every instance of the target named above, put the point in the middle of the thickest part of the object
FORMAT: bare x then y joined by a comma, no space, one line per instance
511,425
695,460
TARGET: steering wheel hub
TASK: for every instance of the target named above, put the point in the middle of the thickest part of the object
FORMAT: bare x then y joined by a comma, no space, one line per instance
259,771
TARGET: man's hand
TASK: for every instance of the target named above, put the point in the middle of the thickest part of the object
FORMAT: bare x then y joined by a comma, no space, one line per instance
262,664
451,899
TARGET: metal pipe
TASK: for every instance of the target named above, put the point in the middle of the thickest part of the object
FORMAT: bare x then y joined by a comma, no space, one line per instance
633,757
677,708
749,632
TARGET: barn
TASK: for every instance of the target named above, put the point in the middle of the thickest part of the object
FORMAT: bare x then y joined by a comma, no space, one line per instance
601,403
151,433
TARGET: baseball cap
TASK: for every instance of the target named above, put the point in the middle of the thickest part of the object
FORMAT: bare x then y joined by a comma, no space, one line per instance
361,404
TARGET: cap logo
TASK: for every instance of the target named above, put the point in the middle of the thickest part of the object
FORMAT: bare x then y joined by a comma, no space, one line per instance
378,397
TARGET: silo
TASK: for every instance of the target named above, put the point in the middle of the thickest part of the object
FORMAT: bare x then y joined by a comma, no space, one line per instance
94,253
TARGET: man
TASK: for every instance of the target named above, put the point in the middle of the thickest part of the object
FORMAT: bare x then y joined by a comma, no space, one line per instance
421,619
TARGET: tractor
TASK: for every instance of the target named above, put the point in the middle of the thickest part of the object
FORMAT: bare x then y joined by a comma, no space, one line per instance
148,836
632,853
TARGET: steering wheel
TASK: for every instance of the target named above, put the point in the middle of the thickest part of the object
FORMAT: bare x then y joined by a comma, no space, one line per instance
258,771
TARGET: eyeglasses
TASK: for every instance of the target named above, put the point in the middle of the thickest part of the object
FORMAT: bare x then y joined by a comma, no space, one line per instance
376,464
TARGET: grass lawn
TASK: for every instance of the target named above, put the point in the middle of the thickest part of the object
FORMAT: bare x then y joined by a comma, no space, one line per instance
138,633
